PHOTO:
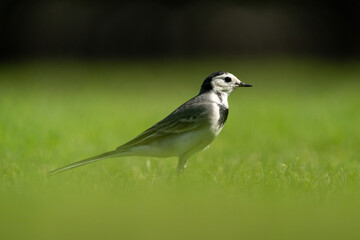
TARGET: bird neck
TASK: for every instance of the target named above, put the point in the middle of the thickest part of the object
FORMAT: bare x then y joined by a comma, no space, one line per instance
222,98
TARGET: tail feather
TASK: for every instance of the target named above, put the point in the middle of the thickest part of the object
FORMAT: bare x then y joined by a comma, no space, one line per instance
110,154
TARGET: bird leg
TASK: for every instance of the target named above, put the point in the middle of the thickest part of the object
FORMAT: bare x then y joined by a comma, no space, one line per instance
182,164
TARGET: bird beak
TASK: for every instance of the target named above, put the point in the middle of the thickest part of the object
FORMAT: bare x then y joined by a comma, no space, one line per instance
241,84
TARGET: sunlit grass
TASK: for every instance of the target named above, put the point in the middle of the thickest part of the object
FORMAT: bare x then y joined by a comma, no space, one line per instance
286,164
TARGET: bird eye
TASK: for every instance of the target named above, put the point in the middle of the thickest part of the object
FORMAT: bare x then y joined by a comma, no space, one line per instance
227,79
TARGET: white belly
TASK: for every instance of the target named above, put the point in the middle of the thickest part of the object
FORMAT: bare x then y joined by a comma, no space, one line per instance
176,145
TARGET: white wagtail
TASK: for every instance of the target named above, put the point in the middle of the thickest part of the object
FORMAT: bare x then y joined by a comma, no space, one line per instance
187,130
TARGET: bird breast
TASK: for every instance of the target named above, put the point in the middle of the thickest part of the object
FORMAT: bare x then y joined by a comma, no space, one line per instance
219,117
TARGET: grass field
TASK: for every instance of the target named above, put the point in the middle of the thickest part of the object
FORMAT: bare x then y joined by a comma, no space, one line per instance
286,165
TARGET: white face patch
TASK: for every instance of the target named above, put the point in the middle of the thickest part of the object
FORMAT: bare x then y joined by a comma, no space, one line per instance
225,83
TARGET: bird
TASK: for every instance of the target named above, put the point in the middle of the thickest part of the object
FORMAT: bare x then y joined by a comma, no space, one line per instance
188,129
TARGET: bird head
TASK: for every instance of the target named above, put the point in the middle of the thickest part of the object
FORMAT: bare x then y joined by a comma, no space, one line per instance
222,82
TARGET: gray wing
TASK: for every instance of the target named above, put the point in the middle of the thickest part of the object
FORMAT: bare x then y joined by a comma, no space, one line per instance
185,118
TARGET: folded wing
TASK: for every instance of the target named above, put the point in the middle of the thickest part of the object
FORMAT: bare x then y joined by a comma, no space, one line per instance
180,121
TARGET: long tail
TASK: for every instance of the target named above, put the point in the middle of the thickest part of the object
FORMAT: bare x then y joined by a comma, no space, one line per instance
110,154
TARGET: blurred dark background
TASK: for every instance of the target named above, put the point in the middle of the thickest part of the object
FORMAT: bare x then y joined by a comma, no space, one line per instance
113,29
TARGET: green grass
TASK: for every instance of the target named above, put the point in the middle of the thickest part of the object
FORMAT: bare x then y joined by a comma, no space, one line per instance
286,165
